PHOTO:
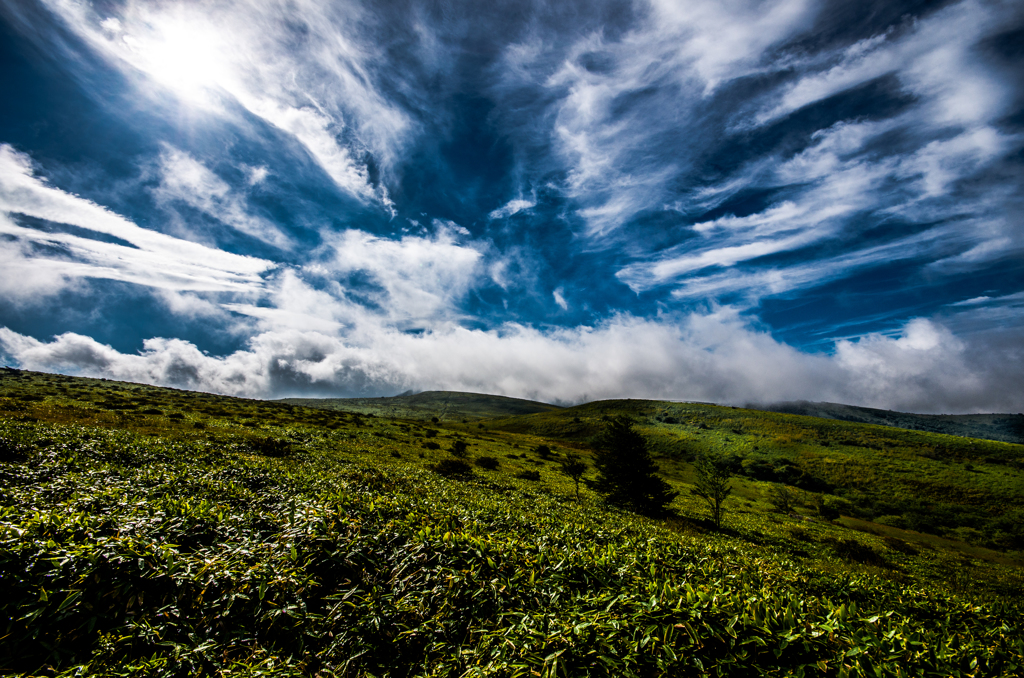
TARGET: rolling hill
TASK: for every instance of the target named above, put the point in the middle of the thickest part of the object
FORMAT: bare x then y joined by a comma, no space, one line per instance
442,405
1008,428
155,532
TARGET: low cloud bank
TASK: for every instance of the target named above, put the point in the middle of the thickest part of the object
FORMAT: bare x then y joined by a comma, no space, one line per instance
714,356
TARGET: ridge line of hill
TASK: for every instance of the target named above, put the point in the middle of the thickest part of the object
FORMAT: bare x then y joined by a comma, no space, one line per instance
465,406
1007,428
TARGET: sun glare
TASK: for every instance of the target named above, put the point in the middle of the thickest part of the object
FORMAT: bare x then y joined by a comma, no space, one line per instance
184,56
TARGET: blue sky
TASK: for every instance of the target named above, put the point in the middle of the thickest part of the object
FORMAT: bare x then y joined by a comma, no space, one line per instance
726,201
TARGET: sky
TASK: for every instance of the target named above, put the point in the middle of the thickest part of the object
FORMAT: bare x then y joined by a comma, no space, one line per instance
729,201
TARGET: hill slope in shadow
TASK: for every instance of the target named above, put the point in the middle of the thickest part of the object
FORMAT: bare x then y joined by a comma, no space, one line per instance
445,405
1008,428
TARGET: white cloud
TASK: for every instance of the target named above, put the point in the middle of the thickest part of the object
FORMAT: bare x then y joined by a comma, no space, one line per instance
256,175
610,121
192,306
841,186
925,367
816,215
417,278
941,163
24,278
298,65
150,258
713,356
559,295
755,284
512,207
934,60
294,304
184,178
721,41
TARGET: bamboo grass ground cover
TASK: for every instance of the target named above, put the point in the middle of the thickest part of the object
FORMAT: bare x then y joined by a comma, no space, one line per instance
306,546
962,488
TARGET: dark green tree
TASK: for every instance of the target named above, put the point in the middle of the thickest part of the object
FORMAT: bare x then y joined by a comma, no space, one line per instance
574,467
712,485
626,473
825,509
460,449
782,497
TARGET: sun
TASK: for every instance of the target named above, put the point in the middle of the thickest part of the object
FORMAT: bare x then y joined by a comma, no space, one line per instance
185,56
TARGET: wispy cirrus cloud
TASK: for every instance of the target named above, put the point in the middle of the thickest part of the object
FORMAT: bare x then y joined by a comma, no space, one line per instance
185,179
300,66
622,108
560,200
136,255
634,116
842,189
512,207
935,59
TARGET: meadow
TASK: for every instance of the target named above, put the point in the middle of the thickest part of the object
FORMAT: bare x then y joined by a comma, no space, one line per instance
155,532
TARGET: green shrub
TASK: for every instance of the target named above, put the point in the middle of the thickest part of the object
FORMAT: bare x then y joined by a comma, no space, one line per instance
453,468
270,447
825,508
489,463
853,550
783,498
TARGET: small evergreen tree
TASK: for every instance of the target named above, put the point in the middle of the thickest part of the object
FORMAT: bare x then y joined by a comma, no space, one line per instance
574,467
626,473
712,486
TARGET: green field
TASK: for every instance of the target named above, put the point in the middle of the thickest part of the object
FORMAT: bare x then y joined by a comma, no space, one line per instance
155,532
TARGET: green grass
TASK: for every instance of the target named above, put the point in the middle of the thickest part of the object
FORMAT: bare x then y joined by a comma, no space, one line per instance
962,488
276,540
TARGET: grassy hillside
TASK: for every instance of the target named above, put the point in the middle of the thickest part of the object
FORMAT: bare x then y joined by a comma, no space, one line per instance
965,489
441,405
154,532
1008,428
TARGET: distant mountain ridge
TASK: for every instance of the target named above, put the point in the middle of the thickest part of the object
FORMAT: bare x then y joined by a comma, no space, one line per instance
444,405
458,405
1007,428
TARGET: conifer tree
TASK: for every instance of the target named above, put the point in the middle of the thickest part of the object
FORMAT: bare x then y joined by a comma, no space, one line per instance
626,473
